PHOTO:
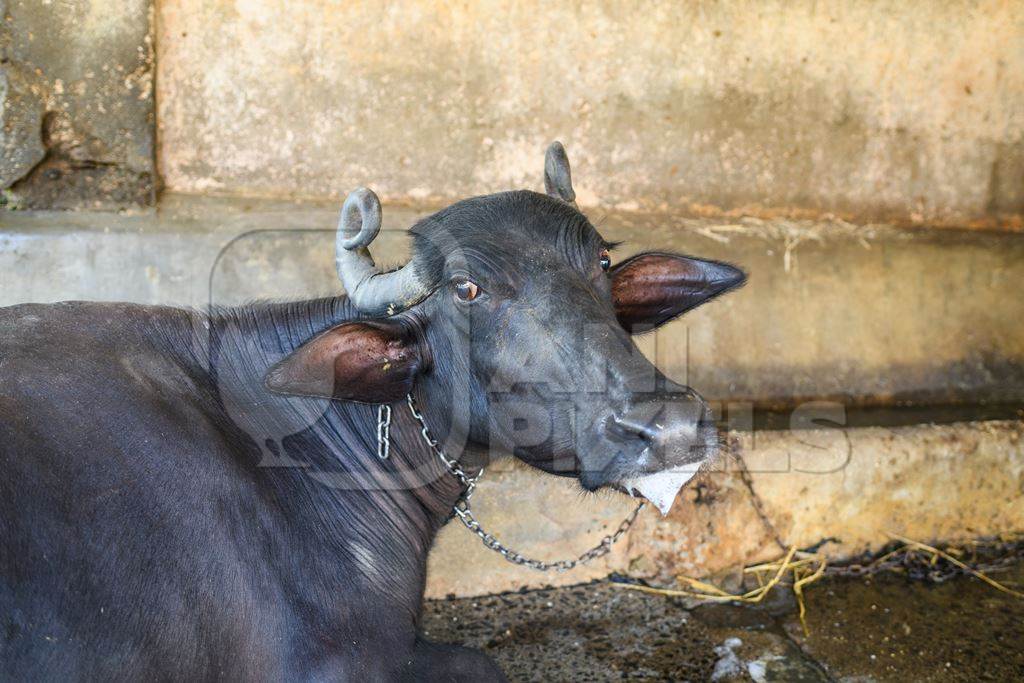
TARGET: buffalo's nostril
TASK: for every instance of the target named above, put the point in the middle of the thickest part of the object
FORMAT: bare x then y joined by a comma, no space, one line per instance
624,428
661,423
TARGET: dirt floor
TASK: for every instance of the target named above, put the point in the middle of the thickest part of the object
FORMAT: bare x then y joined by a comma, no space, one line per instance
883,628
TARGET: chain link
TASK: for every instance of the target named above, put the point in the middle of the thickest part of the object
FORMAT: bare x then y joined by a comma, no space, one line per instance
453,466
464,512
383,431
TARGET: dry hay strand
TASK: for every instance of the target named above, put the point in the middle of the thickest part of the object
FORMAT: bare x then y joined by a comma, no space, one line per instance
805,568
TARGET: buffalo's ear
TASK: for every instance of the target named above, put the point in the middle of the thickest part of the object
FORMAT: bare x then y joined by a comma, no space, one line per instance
652,288
370,361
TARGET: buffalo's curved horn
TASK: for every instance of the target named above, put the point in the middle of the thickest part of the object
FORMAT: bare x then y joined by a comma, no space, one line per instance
557,176
371,291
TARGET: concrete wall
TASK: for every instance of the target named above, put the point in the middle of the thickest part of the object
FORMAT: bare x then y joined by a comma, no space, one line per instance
911,112
77,123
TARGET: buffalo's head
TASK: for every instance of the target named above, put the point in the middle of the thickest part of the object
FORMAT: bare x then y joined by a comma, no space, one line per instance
514,318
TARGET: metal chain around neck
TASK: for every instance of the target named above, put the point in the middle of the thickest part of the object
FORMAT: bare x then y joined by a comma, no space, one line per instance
464,512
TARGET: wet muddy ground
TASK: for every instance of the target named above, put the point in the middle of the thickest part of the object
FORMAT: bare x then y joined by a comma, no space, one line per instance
883,628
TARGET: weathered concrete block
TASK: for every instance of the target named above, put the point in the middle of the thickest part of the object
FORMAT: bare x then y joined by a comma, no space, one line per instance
21,120
90,108
908,112
854,485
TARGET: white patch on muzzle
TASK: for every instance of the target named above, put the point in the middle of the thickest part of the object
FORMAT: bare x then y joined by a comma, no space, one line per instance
661,488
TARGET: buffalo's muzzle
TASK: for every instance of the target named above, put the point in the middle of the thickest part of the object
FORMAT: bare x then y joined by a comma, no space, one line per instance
653,434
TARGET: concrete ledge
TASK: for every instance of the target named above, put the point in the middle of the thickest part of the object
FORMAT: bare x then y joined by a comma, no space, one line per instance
854,486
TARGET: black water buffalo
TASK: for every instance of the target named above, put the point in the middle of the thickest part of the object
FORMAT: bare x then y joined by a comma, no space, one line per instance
149,530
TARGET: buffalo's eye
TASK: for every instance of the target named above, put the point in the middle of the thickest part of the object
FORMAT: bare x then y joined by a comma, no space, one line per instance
466,290
606,260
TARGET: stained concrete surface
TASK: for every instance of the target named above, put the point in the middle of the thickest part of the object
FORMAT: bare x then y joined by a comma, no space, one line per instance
910,112
884,628
77,120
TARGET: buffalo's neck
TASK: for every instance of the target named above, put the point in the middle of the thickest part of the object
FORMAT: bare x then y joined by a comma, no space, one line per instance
318,460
